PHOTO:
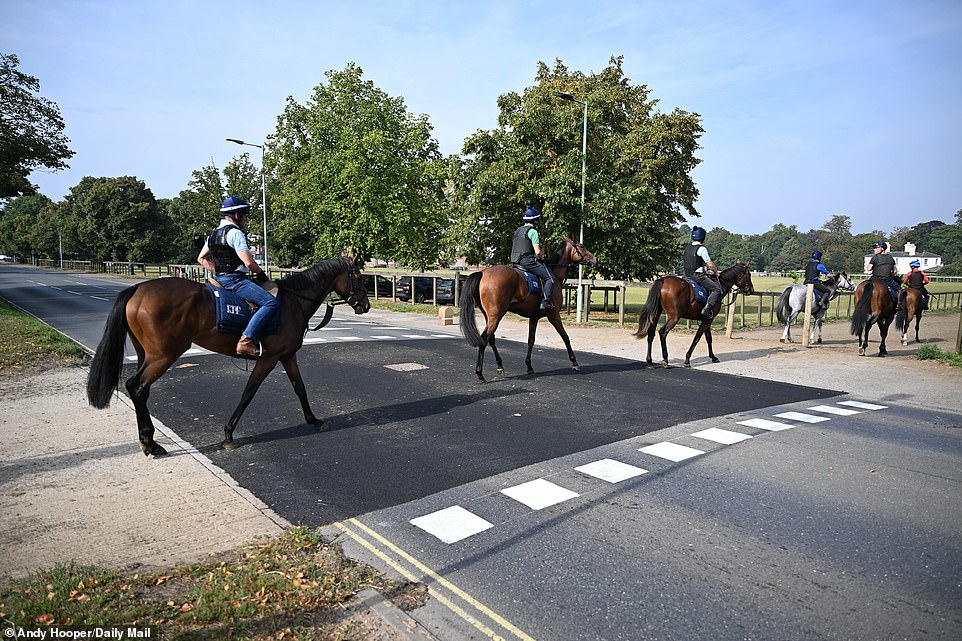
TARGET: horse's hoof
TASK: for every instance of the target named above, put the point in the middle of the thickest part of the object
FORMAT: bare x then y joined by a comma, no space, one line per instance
861,351
228,445
501,371
319,426
782,340
714,359
664,364
819,341
687,364
154,451
576,367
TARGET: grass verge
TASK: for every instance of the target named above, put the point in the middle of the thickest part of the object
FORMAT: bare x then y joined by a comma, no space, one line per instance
932,352
292,587
28,344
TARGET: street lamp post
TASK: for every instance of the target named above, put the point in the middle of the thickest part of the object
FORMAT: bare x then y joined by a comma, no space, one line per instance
263,195
584,166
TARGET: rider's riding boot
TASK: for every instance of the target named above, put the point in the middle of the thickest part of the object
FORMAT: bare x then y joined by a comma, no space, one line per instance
708,312
546,304
248,347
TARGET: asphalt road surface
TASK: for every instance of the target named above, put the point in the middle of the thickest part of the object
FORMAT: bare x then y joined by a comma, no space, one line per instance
621,502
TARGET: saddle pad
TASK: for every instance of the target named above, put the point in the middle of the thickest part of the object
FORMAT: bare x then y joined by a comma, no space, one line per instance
233,313
701,295
534,283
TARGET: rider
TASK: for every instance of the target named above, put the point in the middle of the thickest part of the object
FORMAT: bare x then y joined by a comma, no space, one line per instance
813,272
526,253
700,268
915,279
881,265
227,254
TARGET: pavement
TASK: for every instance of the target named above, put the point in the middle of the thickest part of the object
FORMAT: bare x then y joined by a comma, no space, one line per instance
75,486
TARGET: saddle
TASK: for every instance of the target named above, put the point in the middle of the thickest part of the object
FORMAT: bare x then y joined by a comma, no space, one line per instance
534,283
701,294
233,312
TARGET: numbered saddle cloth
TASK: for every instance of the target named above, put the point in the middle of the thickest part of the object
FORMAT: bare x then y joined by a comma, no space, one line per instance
233,313
534,283
701,295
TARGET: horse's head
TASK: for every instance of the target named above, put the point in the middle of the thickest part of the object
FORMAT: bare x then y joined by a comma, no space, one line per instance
350,286
842,281
743,279
579,254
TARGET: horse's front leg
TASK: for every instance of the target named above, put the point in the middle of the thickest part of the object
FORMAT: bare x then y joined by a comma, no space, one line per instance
918,319
294,375
708,339
554,317
261,370
532,330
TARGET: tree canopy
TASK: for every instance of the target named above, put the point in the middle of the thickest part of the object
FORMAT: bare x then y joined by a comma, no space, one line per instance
31,130
637,176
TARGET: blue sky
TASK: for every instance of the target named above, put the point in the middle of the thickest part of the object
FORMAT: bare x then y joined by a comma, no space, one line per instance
811,108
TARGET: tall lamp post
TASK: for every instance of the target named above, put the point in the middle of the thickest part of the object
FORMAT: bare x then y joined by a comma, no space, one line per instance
263,195
584,165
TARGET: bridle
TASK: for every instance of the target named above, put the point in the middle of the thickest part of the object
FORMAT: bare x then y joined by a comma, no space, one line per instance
352,298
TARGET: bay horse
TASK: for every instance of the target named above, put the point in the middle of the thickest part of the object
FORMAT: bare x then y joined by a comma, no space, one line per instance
676,297
792,302
501,289
163,317
913,309
873,305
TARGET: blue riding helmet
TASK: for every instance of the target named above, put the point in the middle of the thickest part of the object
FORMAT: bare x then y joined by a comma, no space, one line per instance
817,255
531,214
916,264
881,244
698,233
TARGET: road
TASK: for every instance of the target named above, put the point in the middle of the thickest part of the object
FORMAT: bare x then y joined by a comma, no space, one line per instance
562,507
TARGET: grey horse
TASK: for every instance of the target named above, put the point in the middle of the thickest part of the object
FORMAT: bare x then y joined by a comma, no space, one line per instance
792,302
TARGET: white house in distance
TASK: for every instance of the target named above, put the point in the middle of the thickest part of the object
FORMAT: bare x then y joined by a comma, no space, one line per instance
930,263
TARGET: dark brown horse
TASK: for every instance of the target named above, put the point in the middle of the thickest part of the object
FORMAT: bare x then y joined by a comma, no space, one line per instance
676,298
164,316
501,289
913,309
873,305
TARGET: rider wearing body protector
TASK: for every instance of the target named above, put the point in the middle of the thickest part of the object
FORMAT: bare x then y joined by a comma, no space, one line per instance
881,266
526,253
813,274
227,254
700,268
915,279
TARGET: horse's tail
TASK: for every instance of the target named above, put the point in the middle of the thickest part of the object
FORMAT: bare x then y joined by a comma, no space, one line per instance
469,300
782,311
902,319
863,310
650,312
109,360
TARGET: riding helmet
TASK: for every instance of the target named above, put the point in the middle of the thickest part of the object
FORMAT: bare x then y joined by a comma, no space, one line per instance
817,255
882,244
531,214
916,264
698,233
234,204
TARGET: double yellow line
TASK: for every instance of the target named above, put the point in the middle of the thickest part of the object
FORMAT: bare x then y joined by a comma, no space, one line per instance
451,596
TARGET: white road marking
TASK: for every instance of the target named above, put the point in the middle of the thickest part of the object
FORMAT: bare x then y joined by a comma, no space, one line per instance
800,416
610,470
539,494
863,406
671,451
725,437
831,409
765,424
451,524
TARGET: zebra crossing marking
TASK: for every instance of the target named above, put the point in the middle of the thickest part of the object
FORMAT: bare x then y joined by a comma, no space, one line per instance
611,470
671,451
801,416
451,524
539,494
718,435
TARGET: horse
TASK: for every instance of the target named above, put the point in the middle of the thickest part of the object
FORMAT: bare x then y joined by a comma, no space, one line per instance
873,305
792,302
912,309
501,289
676,297
163,317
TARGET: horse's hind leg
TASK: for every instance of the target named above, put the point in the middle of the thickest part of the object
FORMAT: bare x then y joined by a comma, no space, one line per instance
663,335
138,386
651,339
261,370
294,375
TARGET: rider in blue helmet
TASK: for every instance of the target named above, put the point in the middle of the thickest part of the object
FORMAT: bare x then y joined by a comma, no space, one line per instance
228,255
526,253
915,279
814,270
700,268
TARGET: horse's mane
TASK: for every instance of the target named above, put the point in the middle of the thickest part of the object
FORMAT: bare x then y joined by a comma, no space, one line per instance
319,274
555,257
728,274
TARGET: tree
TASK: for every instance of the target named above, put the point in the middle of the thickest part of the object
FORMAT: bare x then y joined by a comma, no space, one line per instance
114,219
355,172
25,224
638,178
31,130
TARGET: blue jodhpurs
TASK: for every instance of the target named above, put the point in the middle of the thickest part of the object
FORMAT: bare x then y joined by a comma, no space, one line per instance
250,291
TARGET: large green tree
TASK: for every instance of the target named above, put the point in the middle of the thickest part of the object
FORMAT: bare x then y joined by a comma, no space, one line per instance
28,227
31,130
638,184
354,172
114,219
